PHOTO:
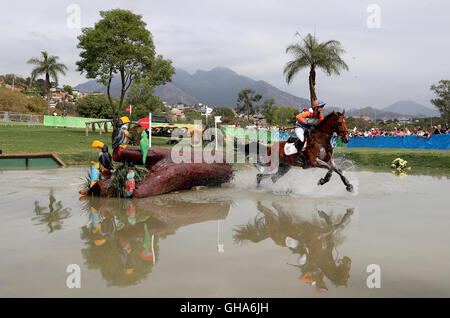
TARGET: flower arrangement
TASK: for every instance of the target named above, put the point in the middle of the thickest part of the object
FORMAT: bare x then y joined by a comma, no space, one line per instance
400,167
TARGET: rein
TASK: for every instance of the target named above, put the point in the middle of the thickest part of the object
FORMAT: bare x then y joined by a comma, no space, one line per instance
322,133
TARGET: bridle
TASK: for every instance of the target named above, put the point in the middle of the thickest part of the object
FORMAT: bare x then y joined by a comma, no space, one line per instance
337,125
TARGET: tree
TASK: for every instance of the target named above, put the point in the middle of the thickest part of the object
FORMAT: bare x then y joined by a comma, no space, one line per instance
120,44
68,89
442,103
314,54
39,86
245,101
284,115
94,106
49,66
54,216
192,115
223,112
141,97
268,110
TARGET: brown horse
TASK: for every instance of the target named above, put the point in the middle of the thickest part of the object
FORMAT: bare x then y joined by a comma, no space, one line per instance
317,153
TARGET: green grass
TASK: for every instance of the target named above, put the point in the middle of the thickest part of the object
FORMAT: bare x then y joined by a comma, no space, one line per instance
71,145
420,160
74,148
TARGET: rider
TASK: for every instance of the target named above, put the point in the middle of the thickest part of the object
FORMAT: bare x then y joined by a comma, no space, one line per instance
304,122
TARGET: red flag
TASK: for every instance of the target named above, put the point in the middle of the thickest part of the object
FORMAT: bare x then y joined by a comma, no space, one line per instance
128,109
143,122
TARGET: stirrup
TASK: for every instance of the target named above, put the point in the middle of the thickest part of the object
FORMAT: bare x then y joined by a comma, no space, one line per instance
299,157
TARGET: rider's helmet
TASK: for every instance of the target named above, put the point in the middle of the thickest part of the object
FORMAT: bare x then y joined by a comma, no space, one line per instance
318,103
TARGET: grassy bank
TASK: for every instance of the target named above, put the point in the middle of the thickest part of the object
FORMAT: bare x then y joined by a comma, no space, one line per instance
74,148
432,161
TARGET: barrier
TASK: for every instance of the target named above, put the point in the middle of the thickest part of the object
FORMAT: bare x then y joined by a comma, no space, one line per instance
250,134
407,142
257,134
13,118
80,122
72,122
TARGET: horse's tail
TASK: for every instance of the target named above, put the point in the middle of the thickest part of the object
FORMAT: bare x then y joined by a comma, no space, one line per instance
253,148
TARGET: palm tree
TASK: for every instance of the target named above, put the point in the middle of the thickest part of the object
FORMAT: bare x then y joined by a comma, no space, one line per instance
49,66
246,98
310,53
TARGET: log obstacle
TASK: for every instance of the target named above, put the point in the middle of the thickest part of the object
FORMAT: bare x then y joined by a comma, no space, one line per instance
165,175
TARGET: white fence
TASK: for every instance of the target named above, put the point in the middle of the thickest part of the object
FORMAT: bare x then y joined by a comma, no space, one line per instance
16,118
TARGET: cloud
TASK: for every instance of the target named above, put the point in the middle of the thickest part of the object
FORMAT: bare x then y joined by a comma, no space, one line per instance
398,61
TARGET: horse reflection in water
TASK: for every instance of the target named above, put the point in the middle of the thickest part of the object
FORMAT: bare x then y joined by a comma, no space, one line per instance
122,236
314,242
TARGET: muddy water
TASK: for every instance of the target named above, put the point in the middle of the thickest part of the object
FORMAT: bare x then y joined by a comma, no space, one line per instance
292,239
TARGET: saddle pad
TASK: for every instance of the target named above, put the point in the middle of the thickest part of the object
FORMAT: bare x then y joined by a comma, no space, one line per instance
290,149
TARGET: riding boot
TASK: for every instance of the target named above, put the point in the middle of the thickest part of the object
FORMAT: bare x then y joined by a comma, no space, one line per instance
299,146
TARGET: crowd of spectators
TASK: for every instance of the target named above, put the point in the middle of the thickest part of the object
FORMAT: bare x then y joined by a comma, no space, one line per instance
398,132
425,132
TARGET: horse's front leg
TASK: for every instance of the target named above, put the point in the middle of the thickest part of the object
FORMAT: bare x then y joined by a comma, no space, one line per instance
348,186
322,164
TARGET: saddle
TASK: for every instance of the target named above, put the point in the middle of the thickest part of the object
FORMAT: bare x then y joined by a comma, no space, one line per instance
291,146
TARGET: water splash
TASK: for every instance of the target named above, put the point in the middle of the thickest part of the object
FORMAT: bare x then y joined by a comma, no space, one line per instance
345,164
297,182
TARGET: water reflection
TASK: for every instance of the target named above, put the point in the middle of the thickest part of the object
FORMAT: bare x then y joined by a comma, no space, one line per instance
122,236
53,216
313,241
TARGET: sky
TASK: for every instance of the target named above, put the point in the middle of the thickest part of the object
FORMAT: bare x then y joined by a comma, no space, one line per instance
395,50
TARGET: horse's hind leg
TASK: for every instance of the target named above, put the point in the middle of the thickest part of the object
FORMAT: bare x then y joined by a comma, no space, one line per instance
261,176
282,170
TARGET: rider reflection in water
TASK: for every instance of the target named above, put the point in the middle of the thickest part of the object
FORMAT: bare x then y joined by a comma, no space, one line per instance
304,122
313,242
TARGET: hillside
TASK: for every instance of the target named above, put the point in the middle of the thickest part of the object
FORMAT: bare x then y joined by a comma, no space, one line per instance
16,101
409,107
218,87
375,113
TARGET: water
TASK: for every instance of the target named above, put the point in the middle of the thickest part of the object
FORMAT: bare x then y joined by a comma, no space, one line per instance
227,242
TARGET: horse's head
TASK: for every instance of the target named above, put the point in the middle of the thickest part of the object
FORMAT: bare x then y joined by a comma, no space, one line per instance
341,127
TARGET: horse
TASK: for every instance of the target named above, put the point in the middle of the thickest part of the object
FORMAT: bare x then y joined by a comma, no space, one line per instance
317,152
315,240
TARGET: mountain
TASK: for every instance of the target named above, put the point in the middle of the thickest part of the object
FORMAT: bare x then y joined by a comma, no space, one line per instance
411,108
218,87
375,113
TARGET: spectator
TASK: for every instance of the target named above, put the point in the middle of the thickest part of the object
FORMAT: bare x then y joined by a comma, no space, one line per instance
398,133
438,130
420,132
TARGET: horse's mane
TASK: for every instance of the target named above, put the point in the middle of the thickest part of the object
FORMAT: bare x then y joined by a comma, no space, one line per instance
327,117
